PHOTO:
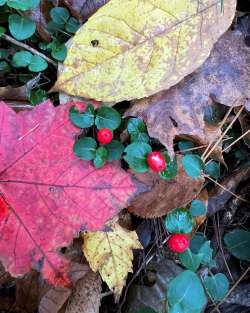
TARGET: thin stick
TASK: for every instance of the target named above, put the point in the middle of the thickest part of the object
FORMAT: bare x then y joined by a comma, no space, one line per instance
204,157
233,143
231,290
224,188
221,124
26,47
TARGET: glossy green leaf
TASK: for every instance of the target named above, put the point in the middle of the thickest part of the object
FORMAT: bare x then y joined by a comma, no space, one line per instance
185,145
4,66
177,308
23,5
38,96
171,169
200,245
2,2
22,58
54,27
193,165
82,119
37,64
107,118
137,130
21,27
59,52
190,260
217,286
85,148
100,157
115,149
59,15
186,290
72,25
198,208
136,156
212,169
238,243
179,221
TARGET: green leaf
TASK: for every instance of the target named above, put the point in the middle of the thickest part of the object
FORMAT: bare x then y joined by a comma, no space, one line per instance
38,96
2,2
72,25
190,260
23,5
187,291
177,308
217,286
200,245
136,156
238,243
54,27
212,169
185,145
21,27
3,54
85,148
2,30
83,120
59,52
22,58
107,118
59,15
179,221
193,165
198,208
4,66
171,169
115,149
137,130
100,157
37,64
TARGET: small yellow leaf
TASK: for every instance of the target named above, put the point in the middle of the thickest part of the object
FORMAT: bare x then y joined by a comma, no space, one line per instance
131,49
111,254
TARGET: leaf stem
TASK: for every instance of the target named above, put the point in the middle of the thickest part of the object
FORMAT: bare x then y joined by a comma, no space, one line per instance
26,47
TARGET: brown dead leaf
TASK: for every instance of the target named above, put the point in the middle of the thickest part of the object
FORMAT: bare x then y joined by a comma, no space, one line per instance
244,120
86,297
163,196
223,78
83,9
53,298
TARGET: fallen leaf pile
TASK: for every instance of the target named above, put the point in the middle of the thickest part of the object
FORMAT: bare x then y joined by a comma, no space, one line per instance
179,111
131,49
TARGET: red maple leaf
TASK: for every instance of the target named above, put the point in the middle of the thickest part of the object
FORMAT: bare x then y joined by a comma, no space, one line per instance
47,194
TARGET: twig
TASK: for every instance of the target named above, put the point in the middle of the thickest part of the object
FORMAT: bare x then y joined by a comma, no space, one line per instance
204,157
26,47
231,290
233,143
224,188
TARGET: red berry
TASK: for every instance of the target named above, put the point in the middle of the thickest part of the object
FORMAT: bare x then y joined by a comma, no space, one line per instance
104,136
178,243
156,161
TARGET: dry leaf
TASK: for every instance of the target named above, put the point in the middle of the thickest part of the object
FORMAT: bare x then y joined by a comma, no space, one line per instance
83,9
86,296
223,78
163,196
131,49
53,298
111,254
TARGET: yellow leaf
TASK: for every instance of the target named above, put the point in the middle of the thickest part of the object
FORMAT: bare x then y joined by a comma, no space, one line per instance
111,254
131,49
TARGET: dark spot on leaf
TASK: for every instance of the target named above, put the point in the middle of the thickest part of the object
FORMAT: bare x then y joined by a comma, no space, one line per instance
95,42
173,121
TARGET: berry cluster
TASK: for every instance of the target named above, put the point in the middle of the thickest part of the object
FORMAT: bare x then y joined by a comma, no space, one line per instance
100,141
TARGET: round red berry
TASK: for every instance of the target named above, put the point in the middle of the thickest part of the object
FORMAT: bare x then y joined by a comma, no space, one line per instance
104,136
156,161
178,243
